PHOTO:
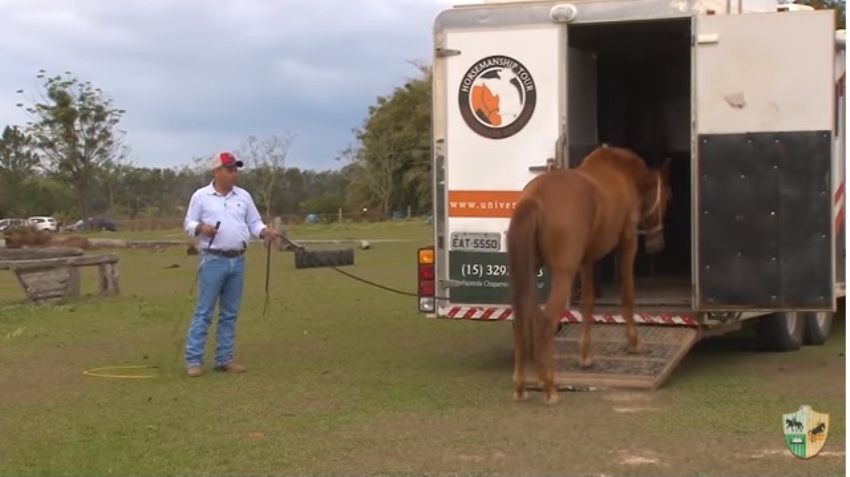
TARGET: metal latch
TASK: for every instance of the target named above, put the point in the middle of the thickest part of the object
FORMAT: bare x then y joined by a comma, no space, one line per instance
550,164
444,52
708,38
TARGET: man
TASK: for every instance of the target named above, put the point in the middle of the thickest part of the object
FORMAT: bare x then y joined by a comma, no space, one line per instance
222,260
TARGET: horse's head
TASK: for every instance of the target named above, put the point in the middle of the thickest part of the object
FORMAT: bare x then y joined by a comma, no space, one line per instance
656,195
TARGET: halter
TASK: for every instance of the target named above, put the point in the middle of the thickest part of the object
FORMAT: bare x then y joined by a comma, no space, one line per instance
655,208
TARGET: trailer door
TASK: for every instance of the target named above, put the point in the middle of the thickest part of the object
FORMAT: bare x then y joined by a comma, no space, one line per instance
764,103
499,99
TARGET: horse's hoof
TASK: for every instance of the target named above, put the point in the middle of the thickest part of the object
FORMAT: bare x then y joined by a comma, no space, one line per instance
553,399
586,363
637,349
520,396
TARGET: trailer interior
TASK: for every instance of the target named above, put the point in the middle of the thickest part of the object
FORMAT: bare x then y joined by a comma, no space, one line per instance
630,85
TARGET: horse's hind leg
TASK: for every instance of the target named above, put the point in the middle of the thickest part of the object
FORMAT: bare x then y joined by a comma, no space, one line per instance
587,297
628,252
520,354
559,298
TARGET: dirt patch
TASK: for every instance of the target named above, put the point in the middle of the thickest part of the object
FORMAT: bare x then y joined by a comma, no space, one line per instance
629,396
630,402
635,409
630,458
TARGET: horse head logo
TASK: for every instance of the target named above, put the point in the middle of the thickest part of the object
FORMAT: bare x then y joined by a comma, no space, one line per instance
497,97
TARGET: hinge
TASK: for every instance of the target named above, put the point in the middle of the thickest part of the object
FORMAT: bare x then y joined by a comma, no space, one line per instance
444,52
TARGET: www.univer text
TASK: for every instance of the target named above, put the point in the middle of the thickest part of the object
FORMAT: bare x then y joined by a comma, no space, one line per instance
483,205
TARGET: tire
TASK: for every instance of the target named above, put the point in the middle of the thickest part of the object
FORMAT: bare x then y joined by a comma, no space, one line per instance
782,331
818,326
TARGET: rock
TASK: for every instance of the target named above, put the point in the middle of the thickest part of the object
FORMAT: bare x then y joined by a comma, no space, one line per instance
365,245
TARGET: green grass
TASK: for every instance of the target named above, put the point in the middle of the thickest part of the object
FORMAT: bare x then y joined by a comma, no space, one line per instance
347,379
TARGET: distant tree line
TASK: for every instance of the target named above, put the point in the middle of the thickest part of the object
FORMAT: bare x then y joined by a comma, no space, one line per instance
70,160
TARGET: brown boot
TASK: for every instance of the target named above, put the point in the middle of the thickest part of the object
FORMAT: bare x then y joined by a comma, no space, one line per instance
194,371
231,368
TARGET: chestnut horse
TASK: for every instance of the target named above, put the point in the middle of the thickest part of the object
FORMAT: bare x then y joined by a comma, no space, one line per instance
567,220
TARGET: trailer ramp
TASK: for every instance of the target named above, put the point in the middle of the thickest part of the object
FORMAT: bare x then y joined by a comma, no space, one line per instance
664,346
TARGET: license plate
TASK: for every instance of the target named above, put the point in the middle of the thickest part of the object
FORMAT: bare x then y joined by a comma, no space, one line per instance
476,242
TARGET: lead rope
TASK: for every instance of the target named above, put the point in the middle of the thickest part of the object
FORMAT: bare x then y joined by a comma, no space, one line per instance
198,270
359,279
268,267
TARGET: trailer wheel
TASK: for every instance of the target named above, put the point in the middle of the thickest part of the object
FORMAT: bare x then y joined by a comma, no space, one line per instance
818,326
781,331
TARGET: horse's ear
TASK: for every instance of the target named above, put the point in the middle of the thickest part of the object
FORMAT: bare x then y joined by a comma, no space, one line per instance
665,170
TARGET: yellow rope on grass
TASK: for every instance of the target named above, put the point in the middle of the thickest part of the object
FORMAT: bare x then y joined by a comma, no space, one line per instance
94,372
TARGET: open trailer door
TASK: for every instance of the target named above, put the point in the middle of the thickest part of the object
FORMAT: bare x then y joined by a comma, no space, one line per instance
498,99
764,105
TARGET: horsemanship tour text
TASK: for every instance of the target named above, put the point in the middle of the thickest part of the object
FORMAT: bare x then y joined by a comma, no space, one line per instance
503,62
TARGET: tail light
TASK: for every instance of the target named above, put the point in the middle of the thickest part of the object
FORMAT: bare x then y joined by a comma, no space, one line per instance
426,278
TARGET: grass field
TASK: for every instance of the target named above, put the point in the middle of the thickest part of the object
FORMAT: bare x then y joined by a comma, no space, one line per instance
347,379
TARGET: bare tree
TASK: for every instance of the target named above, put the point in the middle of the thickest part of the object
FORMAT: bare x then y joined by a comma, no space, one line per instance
375,167
267,155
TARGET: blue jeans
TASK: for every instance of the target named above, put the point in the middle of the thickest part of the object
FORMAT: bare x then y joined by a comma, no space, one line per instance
220,279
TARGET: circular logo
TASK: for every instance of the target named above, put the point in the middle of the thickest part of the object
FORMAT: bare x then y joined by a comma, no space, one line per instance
497,96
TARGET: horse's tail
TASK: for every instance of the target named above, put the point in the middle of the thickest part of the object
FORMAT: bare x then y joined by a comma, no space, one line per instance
523,256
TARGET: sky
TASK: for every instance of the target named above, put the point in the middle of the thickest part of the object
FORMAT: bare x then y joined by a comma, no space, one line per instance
199,76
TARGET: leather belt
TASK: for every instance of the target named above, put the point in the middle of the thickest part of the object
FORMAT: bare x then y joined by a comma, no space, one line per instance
224,253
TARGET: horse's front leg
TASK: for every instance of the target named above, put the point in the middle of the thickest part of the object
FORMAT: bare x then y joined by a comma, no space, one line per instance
628,252
587,298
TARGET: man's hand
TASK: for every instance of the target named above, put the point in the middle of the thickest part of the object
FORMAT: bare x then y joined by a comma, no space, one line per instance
269,233
206,229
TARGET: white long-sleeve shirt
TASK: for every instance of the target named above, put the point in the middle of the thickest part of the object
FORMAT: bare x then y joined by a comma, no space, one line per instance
236,211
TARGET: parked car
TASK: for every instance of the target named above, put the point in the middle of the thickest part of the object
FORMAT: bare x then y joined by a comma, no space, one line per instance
12,223
91,224
99,223
42,222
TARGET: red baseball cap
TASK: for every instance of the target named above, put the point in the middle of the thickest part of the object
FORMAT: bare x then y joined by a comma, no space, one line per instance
225,159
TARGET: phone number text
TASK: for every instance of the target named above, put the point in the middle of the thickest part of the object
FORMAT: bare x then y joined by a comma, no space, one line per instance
487,270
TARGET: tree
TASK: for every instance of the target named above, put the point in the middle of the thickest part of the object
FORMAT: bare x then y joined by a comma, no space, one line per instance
391,164
75,127
18,163
267,157
376,167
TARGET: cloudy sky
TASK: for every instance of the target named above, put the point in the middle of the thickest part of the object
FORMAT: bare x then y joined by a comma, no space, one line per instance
199,76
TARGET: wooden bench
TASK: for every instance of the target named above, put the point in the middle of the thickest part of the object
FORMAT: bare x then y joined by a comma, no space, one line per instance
52,274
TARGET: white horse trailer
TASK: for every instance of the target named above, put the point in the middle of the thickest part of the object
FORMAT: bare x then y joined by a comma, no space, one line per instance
745,97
